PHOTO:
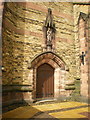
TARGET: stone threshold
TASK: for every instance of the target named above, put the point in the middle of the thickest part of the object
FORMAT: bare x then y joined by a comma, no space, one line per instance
45,100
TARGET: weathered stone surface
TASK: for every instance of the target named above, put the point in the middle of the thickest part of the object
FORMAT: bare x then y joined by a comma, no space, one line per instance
81,45
77,9
23,40
23,37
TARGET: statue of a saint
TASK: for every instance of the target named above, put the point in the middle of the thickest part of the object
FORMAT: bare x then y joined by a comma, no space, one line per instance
49,36
49,30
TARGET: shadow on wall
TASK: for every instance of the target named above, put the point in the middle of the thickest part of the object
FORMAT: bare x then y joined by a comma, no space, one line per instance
14,96
13,93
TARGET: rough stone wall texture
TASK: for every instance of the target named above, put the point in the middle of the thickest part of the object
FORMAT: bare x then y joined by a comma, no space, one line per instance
77,9
23,40
89,51
1,9
13,47
83,65
89,56
23,37
81,45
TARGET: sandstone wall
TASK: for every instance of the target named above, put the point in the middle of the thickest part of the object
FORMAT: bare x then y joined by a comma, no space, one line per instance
89,53
22,41
81,28
23,37
77,8
1,11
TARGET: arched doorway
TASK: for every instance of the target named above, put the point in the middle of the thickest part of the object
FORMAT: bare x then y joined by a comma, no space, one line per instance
39,67
45,81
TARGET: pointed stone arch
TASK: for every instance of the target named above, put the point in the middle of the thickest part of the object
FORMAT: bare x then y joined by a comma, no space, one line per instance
59,67
48,57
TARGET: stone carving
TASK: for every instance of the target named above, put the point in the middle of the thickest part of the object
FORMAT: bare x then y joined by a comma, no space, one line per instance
49,31
49,36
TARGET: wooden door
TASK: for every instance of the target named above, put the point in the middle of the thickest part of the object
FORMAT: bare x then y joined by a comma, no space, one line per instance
45,81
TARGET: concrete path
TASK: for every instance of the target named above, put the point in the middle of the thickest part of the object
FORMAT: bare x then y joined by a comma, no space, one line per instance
53,111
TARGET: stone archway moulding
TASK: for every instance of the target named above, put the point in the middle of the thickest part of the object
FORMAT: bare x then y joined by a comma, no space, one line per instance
49,57
59,71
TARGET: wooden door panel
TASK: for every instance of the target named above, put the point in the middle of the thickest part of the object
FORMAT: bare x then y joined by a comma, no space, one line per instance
45,81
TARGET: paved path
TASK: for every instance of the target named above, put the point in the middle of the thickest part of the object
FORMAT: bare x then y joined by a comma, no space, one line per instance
54,111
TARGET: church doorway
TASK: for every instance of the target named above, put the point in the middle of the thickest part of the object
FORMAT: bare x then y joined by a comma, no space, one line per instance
48,76
45,81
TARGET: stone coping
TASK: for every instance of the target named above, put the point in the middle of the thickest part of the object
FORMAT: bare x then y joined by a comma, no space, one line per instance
22,88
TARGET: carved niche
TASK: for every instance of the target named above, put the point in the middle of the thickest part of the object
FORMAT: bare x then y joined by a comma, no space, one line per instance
49,32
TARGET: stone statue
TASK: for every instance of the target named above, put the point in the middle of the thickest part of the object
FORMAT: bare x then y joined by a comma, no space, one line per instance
49,36
49,30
